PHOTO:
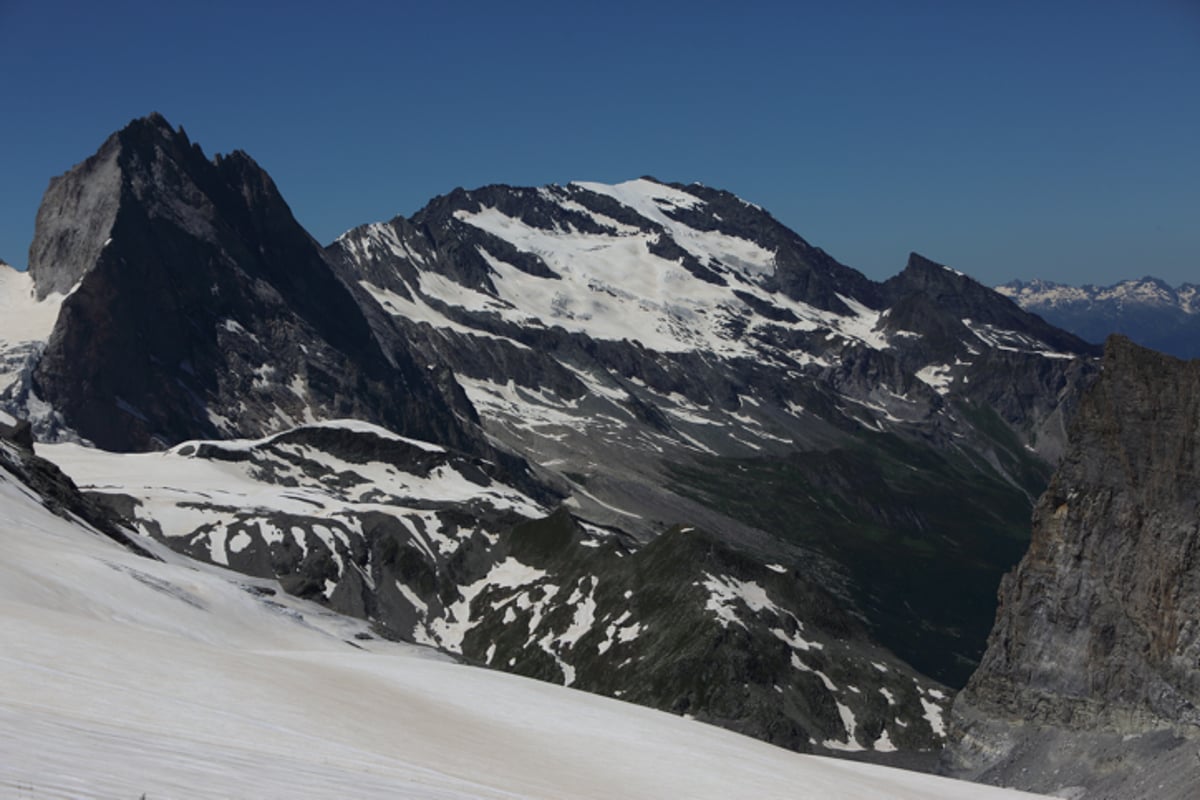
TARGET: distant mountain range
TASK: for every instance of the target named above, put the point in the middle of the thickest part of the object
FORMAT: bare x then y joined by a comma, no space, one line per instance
640,438
1148,311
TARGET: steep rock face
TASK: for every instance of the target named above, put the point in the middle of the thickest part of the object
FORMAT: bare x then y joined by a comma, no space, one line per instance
202,308
1092,674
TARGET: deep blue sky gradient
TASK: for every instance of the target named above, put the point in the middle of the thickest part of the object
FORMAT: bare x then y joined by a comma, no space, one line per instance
1056,139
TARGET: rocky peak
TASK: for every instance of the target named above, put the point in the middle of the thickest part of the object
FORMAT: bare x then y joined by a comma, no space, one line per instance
930,298
1095,647
203,308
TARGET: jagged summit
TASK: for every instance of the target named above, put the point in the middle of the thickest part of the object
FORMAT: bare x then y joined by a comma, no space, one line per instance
927,292
201,307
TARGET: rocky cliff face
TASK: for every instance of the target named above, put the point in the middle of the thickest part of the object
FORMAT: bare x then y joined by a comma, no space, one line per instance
1091,680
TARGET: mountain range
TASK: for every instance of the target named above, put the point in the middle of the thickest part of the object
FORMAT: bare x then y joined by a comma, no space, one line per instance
639,439
1148,311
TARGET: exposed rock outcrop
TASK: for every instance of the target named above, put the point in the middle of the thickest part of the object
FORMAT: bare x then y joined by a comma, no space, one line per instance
1091,681
58,493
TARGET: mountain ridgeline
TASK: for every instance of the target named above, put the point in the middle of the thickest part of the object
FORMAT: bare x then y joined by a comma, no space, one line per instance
642,439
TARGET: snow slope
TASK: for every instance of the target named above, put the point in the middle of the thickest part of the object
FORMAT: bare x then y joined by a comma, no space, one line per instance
121,676
614,287
25,322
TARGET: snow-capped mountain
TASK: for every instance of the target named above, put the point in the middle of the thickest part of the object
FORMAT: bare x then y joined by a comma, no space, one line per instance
655,345
129,674
641,439
1148,311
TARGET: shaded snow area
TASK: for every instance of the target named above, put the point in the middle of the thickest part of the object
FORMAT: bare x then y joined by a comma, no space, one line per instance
121,676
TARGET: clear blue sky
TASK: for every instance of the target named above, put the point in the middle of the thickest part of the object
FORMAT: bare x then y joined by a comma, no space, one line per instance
1056,139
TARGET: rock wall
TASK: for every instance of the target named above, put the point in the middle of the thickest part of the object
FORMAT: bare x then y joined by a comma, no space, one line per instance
1091,680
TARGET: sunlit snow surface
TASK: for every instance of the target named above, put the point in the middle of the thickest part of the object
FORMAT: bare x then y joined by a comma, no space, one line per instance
121,676
613,287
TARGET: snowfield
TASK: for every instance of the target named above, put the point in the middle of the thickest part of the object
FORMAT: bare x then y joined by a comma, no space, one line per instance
122,676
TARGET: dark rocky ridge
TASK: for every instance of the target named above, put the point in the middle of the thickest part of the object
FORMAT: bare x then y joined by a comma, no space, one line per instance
1092,674
57,491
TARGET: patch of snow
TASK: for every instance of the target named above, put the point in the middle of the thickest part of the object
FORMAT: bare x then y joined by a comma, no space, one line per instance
23,318
450,629
884,743
933,715
937,376
850,724
800,665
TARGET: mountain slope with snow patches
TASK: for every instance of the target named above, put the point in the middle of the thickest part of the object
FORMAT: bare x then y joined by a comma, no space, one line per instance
644,344
25,326
431,548
122,675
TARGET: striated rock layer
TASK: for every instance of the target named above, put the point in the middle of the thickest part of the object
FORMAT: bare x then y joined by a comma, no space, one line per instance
1091,680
